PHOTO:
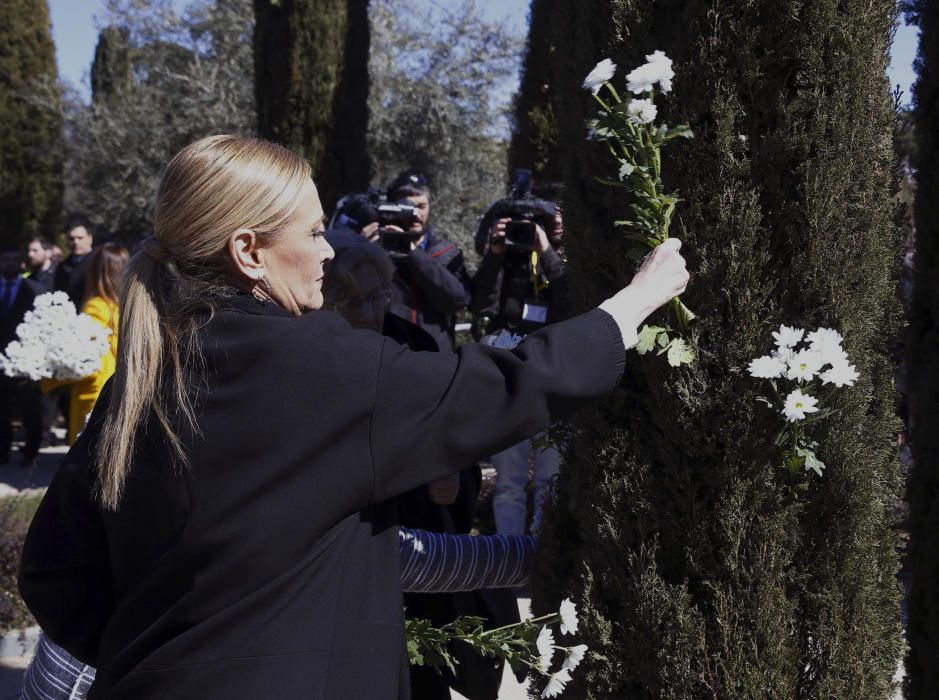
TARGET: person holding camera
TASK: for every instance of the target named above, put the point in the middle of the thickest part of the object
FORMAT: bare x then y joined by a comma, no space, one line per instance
430,282
520,287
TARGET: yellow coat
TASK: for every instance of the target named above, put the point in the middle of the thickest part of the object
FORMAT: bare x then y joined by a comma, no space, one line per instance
85,391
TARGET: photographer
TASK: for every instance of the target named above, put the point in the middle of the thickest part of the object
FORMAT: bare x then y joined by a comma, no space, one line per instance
520,287
430,282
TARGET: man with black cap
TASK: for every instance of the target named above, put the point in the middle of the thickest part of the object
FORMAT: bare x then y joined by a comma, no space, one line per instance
430,282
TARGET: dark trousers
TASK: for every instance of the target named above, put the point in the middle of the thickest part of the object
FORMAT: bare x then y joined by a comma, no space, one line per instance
23,398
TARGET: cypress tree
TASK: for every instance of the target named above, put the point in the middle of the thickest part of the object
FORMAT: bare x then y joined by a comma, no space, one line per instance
311,85
111,68
698,573
30,132
534,143
923,368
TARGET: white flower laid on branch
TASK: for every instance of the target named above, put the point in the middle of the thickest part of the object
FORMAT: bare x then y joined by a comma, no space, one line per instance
55,342
628,130
529,644
797,370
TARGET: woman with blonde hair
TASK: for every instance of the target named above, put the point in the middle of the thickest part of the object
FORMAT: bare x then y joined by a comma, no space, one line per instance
102,288
221,528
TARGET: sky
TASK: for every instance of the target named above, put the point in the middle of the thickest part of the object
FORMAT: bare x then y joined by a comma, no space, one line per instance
75,32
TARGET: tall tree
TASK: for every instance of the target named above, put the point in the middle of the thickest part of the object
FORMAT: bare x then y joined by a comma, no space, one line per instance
534,144
30,132
699,572
111,69
311,84
923,366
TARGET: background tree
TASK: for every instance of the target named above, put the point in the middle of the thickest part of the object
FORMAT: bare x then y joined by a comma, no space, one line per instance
698,573
534,143
923,362
438,105
190,76
30,132
311,60
111,69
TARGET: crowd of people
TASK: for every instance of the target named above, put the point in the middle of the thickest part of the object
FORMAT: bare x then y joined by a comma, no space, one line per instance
91,277
323,436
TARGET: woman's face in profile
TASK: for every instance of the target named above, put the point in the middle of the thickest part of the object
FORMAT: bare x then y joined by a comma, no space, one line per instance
294,262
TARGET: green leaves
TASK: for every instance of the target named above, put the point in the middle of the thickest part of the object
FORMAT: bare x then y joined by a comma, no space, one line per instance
676,350
647,338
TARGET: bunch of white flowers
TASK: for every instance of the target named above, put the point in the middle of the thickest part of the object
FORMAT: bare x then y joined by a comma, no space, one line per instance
807,363
55,342
529,643
627,126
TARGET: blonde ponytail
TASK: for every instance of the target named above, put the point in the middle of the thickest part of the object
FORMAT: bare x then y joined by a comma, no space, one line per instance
211,189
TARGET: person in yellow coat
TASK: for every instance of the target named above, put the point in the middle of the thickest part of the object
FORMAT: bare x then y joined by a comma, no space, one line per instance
102,289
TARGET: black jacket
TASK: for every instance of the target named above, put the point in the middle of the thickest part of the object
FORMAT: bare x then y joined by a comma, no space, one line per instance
268,568
70,277
430,287
505,282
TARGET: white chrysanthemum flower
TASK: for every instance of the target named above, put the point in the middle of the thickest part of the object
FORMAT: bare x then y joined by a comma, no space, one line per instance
827,342
545,646
641,111
657,70
767,367
556,684
600,74
568,613
841,374
787,336
804,365
574,656
798,404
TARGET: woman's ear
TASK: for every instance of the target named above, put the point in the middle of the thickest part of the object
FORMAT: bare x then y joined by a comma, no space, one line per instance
246,254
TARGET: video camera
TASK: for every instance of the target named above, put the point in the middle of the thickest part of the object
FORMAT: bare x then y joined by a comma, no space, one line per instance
356,211
524,210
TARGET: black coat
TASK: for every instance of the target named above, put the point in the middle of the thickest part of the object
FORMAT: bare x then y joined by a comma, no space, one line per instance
70,277
268,568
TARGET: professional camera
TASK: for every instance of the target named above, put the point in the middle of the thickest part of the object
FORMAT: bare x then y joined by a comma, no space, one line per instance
356,211
524,210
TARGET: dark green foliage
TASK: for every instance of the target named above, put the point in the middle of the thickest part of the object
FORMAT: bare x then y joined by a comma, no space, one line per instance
111,69
30,133
311,85
923,360
535,134
699,576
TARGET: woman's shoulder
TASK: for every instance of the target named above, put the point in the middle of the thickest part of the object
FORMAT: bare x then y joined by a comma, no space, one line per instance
98,307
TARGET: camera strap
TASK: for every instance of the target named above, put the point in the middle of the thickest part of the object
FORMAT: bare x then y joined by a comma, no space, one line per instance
538,281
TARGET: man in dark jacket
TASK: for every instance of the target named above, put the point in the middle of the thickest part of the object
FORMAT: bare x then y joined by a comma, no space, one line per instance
430,283
70,274
517,291
16,395
41,269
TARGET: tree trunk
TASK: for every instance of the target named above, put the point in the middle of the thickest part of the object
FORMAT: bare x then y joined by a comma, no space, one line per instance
923,370
698,572
311,59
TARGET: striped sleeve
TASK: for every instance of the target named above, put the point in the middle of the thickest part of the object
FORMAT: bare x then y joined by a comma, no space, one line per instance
433,562
54,674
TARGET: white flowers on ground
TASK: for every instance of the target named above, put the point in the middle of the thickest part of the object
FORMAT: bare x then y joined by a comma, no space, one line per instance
809,361
545,646
641,111
568,613
600,74
55,342
658,69
799,404
557,682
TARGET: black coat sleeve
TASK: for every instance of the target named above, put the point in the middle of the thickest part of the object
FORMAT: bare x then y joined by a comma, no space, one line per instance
434,412
447,290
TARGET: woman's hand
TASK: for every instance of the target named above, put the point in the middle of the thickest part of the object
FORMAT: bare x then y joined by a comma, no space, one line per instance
661,277
497,236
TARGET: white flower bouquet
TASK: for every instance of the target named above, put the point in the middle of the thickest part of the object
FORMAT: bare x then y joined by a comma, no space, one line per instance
529,644
635,142
55,342
798,372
